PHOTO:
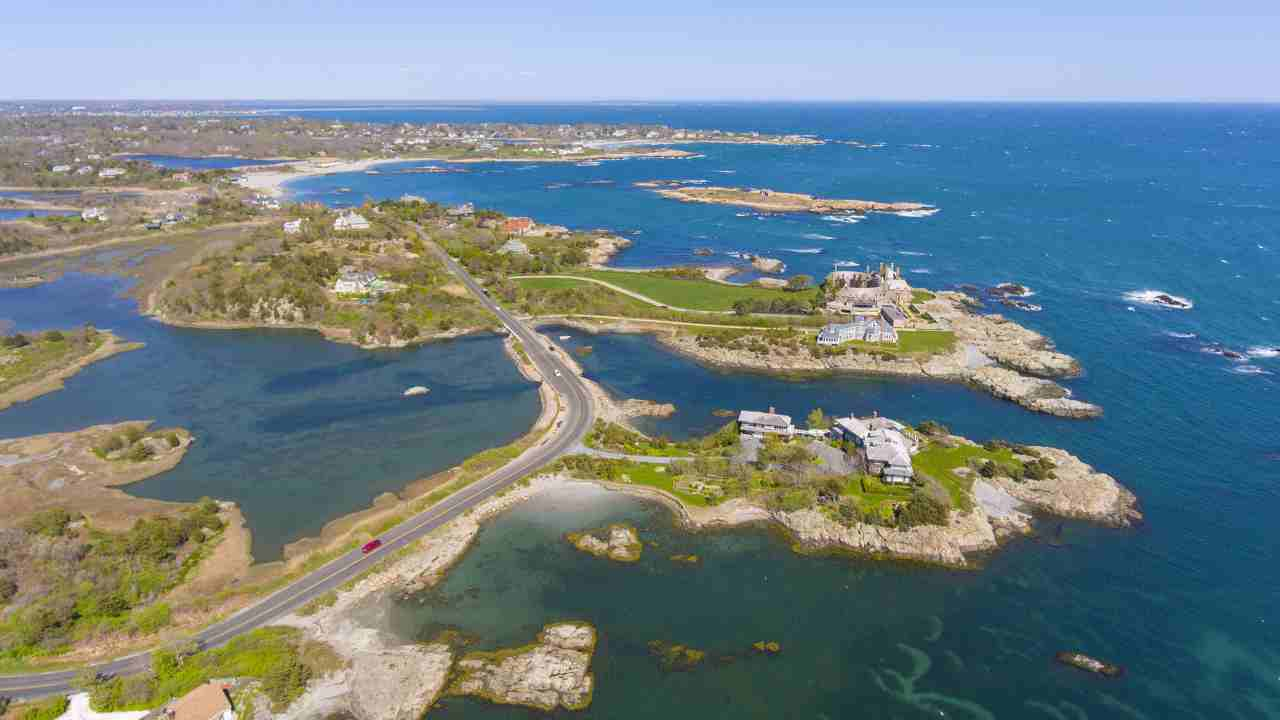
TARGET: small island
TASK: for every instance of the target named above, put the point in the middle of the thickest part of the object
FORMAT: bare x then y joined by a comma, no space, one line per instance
37,364
622,543
783,202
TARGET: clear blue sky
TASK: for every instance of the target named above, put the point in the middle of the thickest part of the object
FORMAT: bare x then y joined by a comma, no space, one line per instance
647,49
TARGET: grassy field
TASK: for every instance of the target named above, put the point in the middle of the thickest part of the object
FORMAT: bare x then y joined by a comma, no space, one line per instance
689,294
919,296
656,476
938,462
40,357
591,299
911,342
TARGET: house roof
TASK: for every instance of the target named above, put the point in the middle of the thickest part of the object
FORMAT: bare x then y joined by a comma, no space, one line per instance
852,425
204,703
764,418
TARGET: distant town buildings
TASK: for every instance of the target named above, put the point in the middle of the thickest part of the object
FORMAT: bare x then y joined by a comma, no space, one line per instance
111,172
407,198
350,222
93,214
463,210
60,169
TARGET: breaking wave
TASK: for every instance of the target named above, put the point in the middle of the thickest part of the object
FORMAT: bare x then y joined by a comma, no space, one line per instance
1264,351
848,219
818,236
803,251
1159,298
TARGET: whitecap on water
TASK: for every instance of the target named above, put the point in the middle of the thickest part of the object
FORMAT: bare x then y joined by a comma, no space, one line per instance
1264,351
922,271
803,251
915,253
818,236
921,213
1250,370
1159,298
1180,335
850,219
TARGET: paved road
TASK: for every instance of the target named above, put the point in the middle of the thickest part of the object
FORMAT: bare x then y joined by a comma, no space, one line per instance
570,427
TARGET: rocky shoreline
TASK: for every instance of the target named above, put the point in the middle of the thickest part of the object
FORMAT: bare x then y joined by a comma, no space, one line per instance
1076,491
775,201
991,354
621,544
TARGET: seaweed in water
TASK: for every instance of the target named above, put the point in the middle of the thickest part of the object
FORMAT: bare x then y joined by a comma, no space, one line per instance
904,688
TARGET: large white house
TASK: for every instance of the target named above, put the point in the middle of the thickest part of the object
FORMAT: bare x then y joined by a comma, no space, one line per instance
759,424
882,441
354,283
350,221
293,227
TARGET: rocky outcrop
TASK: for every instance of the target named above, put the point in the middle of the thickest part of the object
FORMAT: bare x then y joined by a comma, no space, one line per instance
549,674
1032,393
645,408
942,544
767,264
623,543
1000,339
606,247
398,683
1075,490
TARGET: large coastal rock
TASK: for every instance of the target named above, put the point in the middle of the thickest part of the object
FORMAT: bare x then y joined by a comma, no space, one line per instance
398,683
767,264
1076,491
943,544
1000,339
551,673
645,408
1033,393
622,543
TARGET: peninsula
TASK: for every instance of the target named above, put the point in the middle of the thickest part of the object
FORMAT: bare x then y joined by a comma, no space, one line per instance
867,485
782,202
37,364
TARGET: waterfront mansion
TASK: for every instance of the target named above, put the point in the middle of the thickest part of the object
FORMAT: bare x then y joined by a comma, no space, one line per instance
880,445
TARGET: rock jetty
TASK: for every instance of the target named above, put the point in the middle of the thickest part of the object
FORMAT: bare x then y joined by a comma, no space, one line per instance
623,543
549,674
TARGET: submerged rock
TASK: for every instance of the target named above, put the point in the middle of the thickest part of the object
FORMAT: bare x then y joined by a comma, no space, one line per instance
416,390
1089,664
767,647
674,657
551,673
686,559
623,544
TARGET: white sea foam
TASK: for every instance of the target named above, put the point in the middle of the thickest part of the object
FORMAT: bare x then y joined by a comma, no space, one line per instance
922,271
803,251
818,236
921,213
1150,297
1180,335
1264,351
1250,370
915,253
845,263
726,172
849,219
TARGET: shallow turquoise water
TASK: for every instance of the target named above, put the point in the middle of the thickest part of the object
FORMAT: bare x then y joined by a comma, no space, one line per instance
296,429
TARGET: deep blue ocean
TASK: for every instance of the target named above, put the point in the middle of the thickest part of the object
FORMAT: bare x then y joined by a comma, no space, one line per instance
1083,203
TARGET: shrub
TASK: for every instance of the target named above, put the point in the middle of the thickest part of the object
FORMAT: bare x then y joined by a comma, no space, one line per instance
933,427
46,709
53,336
50,523
140,452
111,444
987,469
173,439
152,619
922,509
8,588
132,434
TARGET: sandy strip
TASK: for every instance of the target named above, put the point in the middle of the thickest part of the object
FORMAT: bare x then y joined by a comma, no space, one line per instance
54,381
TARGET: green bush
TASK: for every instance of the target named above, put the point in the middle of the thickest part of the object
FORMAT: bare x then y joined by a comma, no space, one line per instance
53,336
50,523
932,427
49,709
140,452
111,444
173,439
152,619
132,434
922,509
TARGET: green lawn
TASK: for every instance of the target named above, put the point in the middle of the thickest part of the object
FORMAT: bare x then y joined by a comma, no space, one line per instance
593,299
919,296
871,494
689,294
926,341
648,474
938,461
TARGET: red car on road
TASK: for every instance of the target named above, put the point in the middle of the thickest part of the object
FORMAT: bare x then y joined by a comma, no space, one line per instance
370,546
